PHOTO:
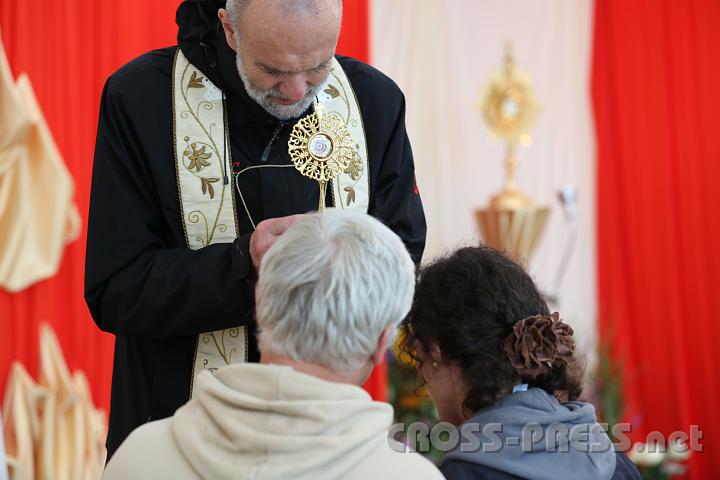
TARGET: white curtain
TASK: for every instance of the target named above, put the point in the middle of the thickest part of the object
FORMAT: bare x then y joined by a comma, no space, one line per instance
442,54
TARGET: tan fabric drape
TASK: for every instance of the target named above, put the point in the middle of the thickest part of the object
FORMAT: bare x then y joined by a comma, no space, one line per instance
37,213
52,431
3,464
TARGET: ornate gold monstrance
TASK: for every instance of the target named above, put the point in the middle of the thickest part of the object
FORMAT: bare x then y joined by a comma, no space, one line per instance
511,222
321,147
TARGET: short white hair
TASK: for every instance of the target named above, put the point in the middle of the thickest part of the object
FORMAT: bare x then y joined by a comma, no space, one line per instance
329,287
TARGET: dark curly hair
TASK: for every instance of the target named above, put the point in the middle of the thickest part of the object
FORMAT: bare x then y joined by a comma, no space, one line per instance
466,304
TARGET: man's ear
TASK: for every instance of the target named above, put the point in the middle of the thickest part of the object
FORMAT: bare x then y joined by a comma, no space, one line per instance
382,345
230,35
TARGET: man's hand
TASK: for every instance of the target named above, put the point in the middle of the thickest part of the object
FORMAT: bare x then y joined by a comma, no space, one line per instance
266,233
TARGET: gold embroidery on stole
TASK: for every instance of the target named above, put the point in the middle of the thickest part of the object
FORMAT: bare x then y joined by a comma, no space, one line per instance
351,189
207,204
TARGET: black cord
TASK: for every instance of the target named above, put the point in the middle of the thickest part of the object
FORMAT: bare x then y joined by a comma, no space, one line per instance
268,147
225,134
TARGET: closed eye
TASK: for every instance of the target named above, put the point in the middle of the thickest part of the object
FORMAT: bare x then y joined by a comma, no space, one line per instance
322,67
272,71
278,73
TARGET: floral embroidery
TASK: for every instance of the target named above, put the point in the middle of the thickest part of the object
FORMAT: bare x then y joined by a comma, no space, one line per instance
197,157
332,91
218,340
350,195
195,81
207,204
200,153
206,184
354,169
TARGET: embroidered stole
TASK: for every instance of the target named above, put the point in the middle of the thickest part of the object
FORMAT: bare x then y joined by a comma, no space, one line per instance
207,204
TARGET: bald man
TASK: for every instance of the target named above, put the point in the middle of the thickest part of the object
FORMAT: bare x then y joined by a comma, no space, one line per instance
193,181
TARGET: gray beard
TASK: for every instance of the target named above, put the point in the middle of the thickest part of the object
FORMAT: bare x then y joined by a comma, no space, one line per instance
262,97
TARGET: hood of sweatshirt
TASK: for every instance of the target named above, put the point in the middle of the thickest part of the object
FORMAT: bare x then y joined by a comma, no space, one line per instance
553,438
272,422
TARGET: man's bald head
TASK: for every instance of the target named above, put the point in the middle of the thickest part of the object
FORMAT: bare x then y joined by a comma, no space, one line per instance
290,8
297,22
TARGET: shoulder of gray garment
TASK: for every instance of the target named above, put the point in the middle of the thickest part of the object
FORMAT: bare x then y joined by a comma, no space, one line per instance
532,435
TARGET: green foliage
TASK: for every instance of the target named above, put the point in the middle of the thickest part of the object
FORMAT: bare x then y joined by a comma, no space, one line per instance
608,387
411,401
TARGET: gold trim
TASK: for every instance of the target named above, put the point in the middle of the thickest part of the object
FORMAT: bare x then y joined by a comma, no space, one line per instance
362,127
348,188
198,152
228,164
194,362
344,92
175,154
247,348
194,216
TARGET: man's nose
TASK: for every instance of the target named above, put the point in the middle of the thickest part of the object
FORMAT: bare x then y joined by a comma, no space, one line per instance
294,88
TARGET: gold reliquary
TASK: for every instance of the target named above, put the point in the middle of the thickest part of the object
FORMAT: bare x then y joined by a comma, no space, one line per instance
511,222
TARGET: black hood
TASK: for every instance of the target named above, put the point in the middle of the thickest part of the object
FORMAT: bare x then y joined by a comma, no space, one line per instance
202,41
199,30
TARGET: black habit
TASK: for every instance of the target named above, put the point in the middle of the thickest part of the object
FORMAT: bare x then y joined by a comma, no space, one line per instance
141,281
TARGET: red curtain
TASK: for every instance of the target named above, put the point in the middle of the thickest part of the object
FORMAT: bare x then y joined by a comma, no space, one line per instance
68,49
656,98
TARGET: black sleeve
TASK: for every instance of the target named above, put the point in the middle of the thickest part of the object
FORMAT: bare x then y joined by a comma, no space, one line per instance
396,197
137,283
459,470
625,469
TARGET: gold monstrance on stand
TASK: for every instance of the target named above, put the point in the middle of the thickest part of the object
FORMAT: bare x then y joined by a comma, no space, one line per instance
511,222
321,147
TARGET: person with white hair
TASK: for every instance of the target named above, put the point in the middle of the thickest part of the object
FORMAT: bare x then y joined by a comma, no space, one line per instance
193,155
330,294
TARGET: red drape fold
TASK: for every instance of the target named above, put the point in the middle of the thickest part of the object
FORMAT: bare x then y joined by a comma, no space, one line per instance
654,87
68,49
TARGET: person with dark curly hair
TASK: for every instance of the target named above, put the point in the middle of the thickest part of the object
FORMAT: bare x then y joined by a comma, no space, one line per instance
504,371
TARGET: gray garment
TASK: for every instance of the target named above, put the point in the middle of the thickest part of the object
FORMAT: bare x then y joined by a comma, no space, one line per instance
554,439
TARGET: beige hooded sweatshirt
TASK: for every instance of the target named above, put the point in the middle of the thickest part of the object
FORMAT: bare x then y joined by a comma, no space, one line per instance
268,422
